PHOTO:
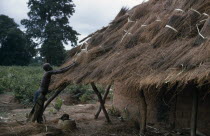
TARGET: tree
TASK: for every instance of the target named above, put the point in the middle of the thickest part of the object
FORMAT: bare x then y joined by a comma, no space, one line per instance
15,47
49,23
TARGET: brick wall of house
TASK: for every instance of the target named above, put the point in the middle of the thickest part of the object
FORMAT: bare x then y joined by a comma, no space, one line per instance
164,109
184,107
128,102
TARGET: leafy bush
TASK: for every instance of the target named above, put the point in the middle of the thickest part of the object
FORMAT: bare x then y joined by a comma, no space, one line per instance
21,81
85,92
114,112
24,81
86,97
75,89
58,103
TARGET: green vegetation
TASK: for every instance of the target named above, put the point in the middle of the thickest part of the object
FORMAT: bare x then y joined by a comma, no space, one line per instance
114,112
21,81
15,47
24,81
49,22
84,93
58,103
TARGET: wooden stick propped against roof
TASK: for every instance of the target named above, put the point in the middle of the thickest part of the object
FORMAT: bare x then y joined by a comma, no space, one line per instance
101,101
54,96
104,28
104,100
86,37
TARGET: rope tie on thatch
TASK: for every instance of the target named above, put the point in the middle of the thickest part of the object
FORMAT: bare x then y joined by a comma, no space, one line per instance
143,25
86,46
205,14
179,10
158,19
200,33
130,21
172,28
126,33
82,50
203,20
195,11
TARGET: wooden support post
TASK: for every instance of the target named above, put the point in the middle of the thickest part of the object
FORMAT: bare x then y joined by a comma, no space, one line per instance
101,101
54,96
143,113
104,100
194,112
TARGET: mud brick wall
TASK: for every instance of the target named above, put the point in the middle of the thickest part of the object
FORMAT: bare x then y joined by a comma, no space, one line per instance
184,107
165,110
128,102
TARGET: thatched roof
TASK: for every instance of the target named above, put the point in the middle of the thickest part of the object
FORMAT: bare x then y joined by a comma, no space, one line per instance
156,42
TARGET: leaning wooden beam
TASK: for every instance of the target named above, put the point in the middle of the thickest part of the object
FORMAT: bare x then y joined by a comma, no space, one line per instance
194,112
86,37
104,100
54,96
104,28
101,101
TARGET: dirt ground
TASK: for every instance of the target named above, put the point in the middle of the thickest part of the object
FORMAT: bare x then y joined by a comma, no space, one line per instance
13,121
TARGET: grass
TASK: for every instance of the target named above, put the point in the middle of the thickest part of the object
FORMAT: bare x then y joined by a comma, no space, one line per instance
86,92
23,81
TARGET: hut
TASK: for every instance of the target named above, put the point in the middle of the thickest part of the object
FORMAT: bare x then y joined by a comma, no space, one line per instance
157,55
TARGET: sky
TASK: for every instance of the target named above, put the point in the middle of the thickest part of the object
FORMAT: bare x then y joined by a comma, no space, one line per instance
89,16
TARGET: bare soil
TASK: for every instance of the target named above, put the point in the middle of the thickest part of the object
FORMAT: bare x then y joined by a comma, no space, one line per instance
13,121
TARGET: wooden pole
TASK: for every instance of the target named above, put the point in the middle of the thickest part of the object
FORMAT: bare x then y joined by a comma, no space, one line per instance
194,112
54,96
143,113
101,101
86,38
104,100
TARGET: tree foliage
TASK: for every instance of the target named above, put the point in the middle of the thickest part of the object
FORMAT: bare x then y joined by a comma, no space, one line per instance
15,47
49,23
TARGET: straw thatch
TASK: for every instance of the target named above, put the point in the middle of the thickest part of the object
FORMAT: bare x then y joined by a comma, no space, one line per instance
156,43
